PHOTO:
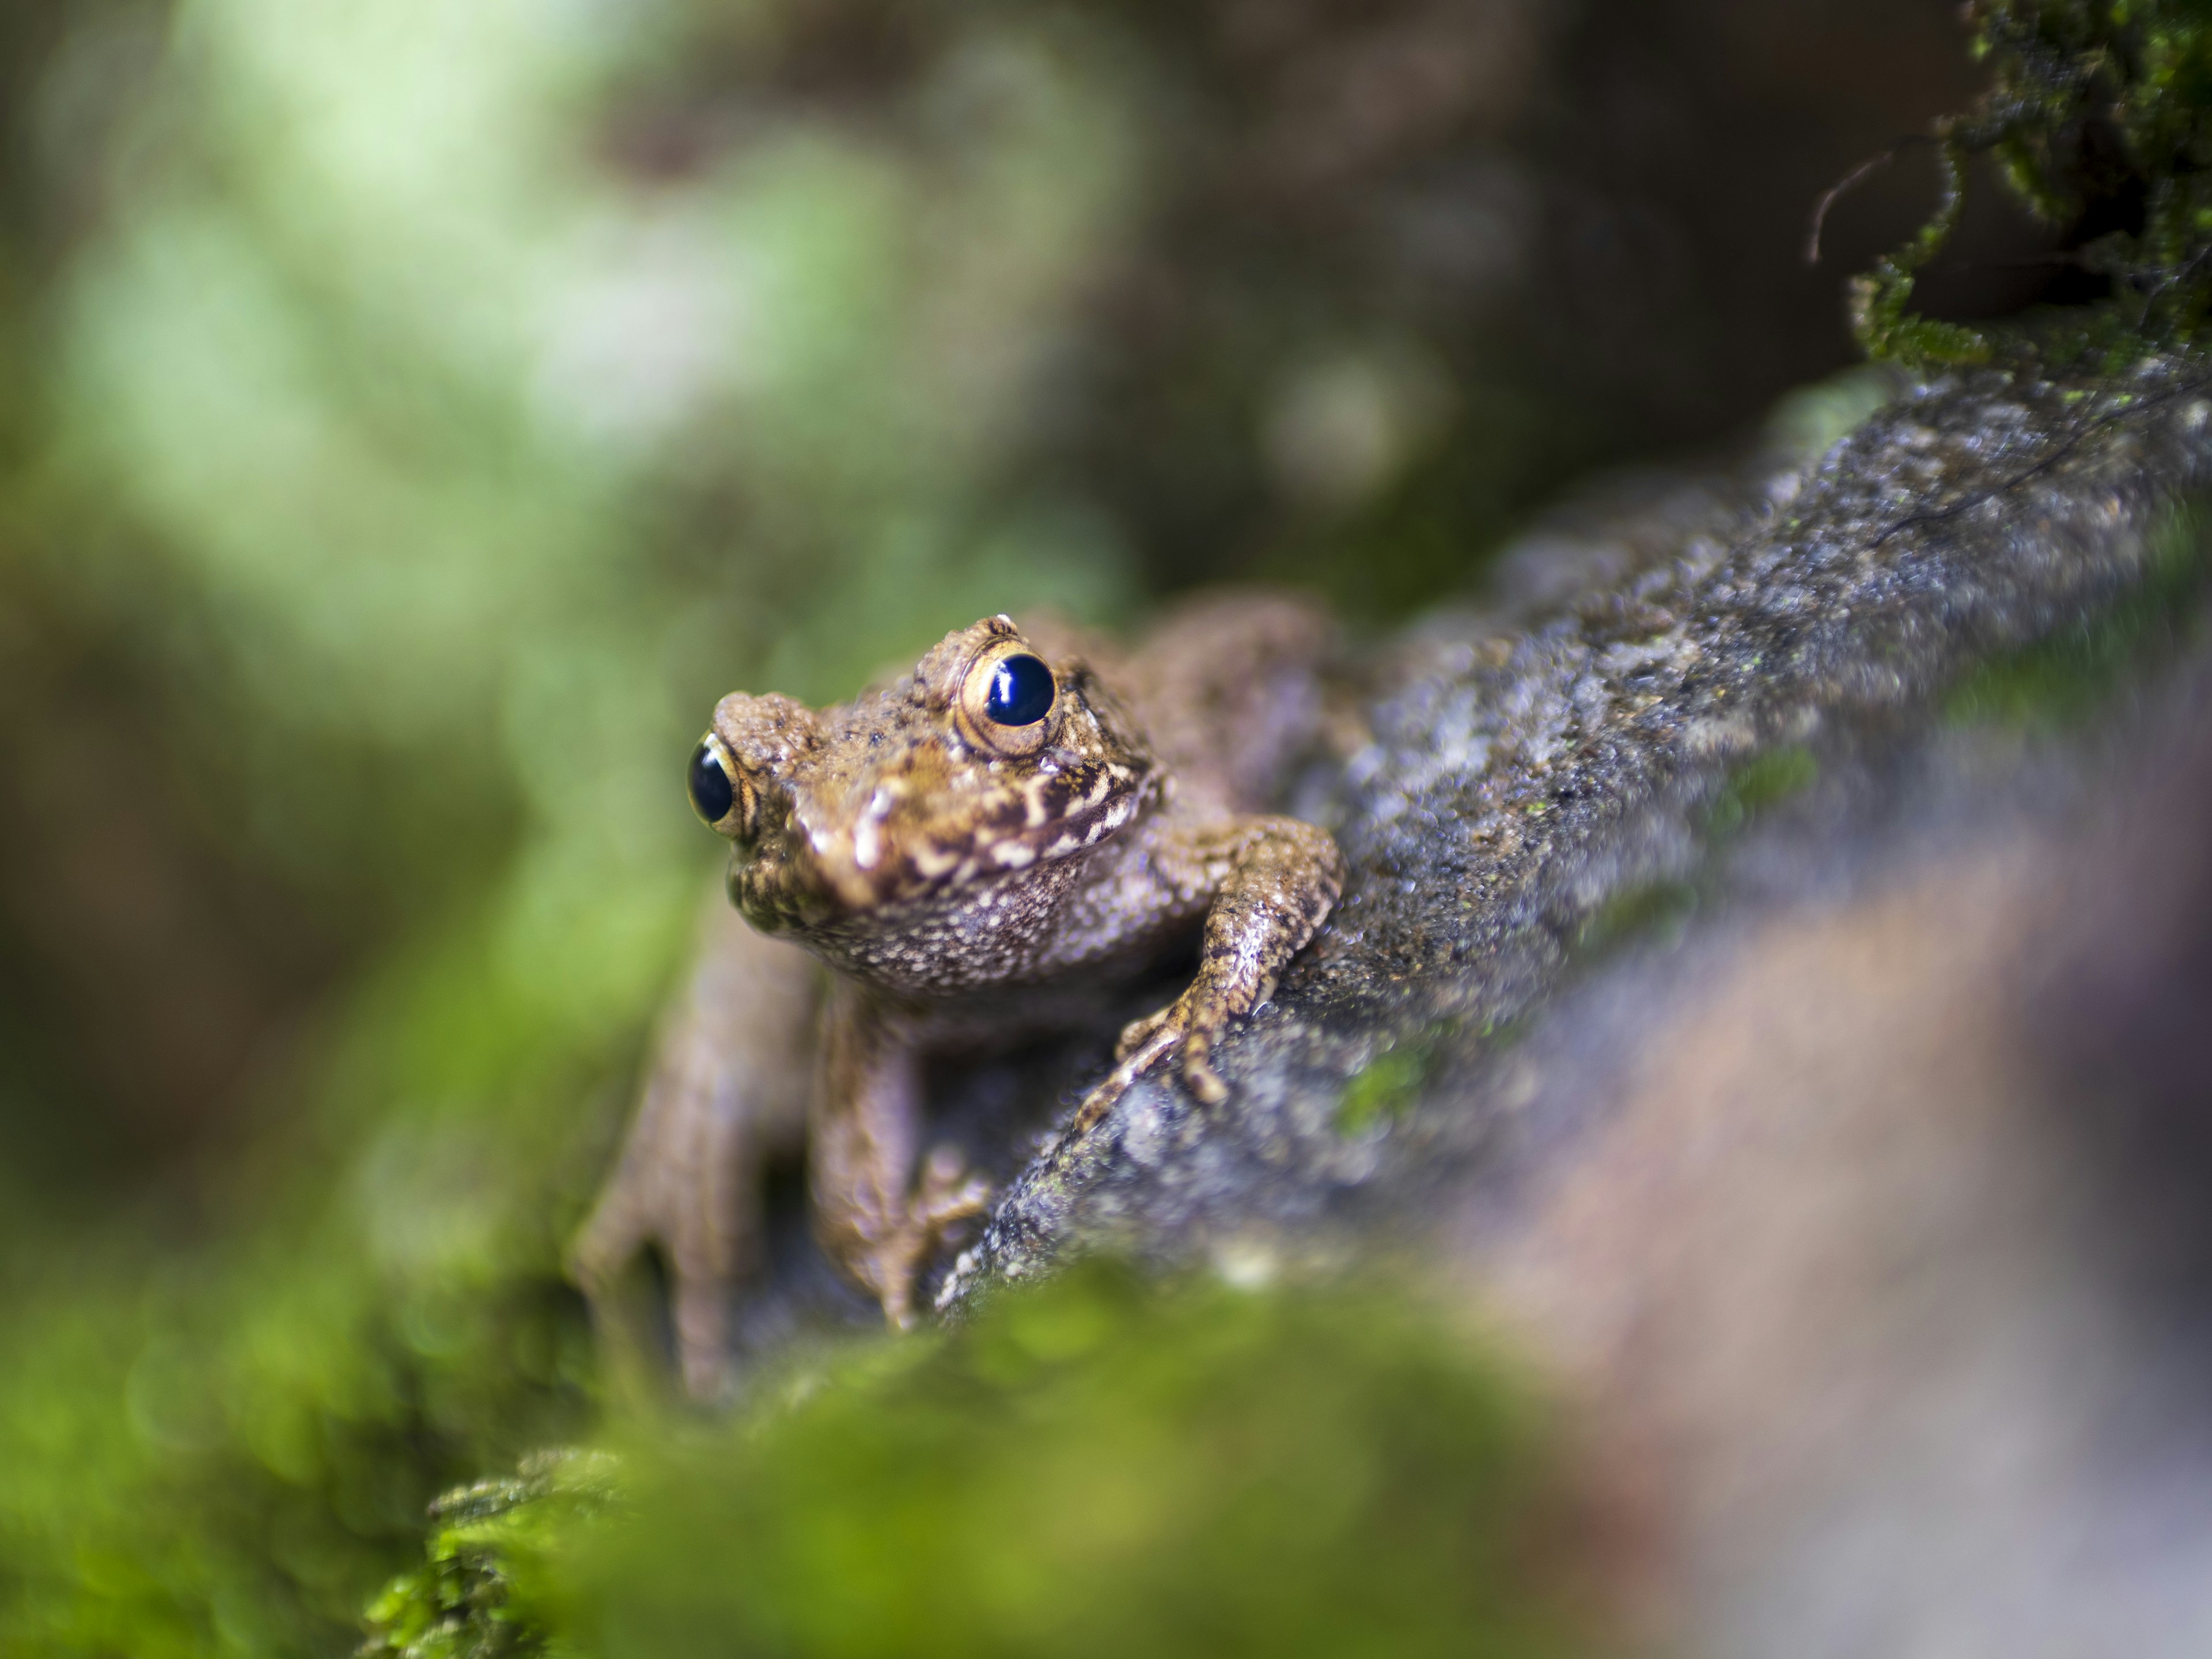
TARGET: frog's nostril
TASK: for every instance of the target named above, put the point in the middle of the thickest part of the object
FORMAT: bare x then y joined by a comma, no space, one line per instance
713,792
1021,691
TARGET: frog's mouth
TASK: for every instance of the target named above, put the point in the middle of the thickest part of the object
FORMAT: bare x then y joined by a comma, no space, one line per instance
906,846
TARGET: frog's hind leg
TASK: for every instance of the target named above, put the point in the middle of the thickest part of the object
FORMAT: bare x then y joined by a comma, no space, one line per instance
880,1219
727,1092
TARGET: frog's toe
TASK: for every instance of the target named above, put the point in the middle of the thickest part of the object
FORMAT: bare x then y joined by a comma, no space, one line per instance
1100,1101
1138,1032
898,1301
702,1321
945,1196
887,1270
1147,1045
949,1195
1199,1076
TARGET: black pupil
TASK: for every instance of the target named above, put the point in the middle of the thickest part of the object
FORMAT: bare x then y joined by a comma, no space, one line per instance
712,793
1021,691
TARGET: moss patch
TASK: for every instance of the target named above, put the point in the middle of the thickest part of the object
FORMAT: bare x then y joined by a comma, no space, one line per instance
2065,679
1761,782
1387,1086
2091,104
1650,910
1092,1465
459,1603
1659,908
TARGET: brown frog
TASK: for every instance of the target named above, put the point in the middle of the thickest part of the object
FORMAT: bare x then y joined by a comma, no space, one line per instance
984,848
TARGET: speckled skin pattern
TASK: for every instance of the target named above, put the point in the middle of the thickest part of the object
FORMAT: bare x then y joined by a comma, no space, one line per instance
964,880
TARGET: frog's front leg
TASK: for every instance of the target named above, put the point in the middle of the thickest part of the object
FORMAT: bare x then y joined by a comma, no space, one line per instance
879,1223
1274,881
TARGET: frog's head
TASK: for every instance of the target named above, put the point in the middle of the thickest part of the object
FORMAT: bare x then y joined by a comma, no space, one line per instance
986,765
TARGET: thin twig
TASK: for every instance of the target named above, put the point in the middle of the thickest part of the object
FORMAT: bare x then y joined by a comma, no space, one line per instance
1852,180
2073,440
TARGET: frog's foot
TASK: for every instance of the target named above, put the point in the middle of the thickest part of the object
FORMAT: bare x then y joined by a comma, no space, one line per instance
944,1200
683,1188
1187,1026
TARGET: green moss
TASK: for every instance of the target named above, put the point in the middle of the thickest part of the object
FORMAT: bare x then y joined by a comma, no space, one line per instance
2088,101
1808,421
459,1603
219,1445
1649,910
1659,908
2069,677
1387,1086
1763,781
1094,1465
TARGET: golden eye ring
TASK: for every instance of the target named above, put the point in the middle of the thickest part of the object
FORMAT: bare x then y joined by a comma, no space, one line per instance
1007,699
719,794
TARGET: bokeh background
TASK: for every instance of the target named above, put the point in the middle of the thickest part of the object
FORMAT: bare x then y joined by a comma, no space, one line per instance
412,415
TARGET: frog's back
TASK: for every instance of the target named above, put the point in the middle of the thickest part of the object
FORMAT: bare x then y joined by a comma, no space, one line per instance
1228,685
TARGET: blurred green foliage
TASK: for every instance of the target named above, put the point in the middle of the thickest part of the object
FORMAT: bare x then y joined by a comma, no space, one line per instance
1094,1465
2098,114
430,478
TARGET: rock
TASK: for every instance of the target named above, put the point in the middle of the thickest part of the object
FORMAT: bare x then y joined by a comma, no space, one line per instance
1878,1274
1537,773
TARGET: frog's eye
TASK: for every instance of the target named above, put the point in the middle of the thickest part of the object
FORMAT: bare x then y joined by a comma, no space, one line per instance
716,795
1020,692
1006,699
